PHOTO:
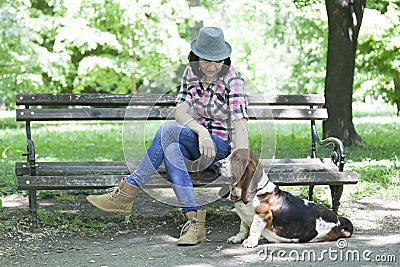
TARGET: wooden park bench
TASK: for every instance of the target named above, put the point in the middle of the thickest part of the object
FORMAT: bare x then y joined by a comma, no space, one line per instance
33,175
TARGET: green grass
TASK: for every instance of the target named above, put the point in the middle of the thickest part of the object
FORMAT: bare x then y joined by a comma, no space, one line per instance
376,160
59,217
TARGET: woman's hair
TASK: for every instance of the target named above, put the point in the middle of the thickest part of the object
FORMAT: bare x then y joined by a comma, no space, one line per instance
194,64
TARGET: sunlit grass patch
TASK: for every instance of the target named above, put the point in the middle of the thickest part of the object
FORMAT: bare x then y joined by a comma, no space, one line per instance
81,142
379,178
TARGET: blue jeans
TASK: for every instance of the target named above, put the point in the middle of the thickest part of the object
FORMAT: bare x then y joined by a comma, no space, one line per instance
177,146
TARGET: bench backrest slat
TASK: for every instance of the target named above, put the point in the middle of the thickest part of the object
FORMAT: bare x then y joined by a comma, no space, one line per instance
143,113
95,99
154,99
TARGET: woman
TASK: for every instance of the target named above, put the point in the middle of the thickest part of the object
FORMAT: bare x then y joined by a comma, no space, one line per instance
211,120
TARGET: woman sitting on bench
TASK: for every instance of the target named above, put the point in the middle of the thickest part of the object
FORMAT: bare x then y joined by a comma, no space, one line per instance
211,120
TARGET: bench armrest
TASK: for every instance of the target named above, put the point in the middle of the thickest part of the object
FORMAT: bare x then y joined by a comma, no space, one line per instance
337,158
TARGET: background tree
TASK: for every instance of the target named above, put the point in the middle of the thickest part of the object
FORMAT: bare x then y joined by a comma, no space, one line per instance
344,20
194,4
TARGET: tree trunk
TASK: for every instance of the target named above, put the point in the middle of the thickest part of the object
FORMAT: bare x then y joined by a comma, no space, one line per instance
344,19
194,31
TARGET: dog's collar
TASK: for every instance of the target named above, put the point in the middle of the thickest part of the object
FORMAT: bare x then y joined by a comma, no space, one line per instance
263,186
265,181
236,198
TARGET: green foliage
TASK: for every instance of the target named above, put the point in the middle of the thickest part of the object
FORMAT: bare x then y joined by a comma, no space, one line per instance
263,53
88,46
114,46
378,60
61,217
62,196
14,47
12,144
306,3
382,5
380,178
43,216
285,50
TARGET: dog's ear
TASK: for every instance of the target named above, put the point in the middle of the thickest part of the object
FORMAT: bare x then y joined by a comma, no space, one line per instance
252,177
224,192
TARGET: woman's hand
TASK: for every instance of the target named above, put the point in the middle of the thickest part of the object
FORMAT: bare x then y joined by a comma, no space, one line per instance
206,146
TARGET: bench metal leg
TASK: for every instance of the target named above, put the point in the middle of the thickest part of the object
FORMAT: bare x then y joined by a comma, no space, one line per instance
336,193
310,192
33,207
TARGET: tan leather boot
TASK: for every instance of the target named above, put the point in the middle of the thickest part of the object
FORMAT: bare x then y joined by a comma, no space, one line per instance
117,199
193,232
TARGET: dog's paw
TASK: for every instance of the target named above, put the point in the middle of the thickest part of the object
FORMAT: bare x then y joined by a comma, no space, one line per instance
236,239
250,242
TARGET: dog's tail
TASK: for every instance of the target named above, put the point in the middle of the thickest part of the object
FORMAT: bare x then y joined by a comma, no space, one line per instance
346,227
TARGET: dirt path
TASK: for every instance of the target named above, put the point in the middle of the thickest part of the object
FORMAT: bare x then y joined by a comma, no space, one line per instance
148,237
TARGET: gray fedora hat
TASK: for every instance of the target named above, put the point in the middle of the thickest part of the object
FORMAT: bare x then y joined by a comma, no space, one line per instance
211,45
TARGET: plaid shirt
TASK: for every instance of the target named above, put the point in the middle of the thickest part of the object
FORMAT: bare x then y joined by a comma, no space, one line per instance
217,105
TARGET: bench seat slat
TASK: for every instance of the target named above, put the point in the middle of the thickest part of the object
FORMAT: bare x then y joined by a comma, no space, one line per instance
120,168
87,182
134,163
155,114
154,99
106,181
78,175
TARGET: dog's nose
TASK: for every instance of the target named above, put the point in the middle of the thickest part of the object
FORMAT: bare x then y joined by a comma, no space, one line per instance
217,165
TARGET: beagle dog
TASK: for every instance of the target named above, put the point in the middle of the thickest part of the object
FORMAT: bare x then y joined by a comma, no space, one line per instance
266,211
